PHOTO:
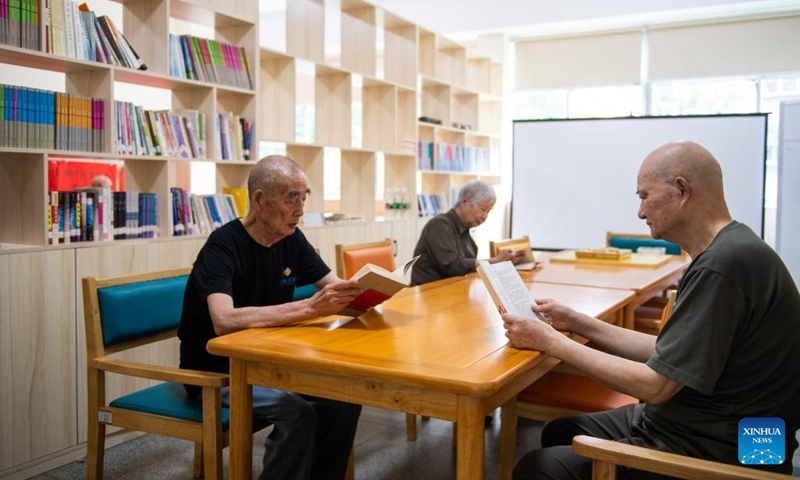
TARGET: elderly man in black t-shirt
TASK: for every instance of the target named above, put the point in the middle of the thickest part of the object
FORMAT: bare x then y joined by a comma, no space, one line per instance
244,277
729,350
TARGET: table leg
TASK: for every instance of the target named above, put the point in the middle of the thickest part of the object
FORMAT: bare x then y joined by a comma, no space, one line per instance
469,452
508,438
627,316
241,429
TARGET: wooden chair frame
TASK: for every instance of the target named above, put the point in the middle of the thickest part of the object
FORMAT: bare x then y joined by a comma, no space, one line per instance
606,455
341,249
496,246
207,436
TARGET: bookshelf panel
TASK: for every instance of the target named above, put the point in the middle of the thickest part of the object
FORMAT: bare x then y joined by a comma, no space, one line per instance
359,49
311,160
407,120
277,97
479,74
497,79
427,53
233,174
451,62
41,61
145,24
23,181
37,361
491,117
400,51
436,102
465,111
332,98
358,169
305,29
379,107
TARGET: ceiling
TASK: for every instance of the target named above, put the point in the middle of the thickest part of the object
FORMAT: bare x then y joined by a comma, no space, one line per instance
465,20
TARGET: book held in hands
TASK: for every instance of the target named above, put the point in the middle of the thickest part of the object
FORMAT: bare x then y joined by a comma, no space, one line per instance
378,285
507,288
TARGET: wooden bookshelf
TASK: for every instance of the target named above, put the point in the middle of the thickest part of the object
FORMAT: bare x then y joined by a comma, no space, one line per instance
44,280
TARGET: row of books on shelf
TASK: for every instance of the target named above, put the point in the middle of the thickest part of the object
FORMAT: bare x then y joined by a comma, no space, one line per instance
160,132
97,214
235,135
206,60
432,204
449,157
194,214
63,27
19,23
31,118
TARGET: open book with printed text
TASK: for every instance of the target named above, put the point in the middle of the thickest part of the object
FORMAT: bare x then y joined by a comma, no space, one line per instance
378,285
507,288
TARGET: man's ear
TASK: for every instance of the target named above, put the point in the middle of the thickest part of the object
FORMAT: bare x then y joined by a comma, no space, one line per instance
255,202
683,186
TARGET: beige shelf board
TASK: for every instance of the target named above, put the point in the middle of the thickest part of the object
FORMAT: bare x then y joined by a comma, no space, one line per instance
23,57
11,248
461,173
272,54
205,16
472,133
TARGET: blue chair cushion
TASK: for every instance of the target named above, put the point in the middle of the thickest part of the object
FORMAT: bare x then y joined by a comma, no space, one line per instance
140,309
304,291
634,243
167,400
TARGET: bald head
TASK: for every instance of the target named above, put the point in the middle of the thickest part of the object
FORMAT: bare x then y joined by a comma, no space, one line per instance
690,161
271,174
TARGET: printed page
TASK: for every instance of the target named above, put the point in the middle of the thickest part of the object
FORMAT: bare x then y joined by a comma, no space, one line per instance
404,271
509,289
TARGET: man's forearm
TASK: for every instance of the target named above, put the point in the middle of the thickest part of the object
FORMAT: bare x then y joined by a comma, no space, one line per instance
625,343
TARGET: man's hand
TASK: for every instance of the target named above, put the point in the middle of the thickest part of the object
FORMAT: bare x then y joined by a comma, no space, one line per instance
334,296
508,254
536,334
560,316
531,334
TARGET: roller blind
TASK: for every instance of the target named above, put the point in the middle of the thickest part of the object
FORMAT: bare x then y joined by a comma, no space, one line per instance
581,61
723,49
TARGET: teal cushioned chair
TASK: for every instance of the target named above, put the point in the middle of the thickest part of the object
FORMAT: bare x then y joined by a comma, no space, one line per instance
129,311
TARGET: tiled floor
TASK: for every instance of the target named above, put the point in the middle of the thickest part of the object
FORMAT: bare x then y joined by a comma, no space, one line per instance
382,452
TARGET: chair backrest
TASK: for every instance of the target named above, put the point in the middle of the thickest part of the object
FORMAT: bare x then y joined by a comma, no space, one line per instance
132,310
633,241
522,243
667,312
350,258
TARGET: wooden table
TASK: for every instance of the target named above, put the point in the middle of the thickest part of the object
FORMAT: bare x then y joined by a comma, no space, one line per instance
644,282
439,350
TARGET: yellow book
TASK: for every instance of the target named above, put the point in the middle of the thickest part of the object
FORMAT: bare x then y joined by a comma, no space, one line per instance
239,197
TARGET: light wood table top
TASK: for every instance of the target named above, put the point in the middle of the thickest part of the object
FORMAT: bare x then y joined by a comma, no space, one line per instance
439,350
644,282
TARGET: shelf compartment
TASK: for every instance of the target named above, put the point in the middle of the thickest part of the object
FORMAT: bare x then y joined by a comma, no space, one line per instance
465,110
305,29
358,37
427,53
436,102
400,171
333,98
311,159
277,96
22,181
379,116
479,74
400,51
358,172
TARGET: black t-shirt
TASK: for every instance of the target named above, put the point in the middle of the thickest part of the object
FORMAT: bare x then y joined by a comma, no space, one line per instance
732,341
231,262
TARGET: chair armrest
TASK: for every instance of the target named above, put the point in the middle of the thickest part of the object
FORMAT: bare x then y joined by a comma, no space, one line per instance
166,374
616,453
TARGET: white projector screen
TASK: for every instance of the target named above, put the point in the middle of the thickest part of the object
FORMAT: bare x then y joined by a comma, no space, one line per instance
573,180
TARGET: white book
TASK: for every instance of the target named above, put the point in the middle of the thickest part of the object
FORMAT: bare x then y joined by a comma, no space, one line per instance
69,29
507,288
